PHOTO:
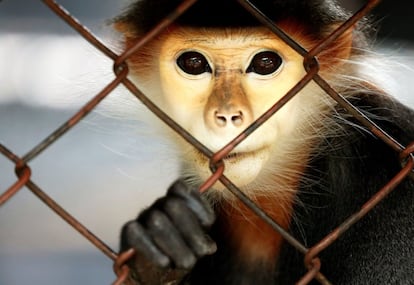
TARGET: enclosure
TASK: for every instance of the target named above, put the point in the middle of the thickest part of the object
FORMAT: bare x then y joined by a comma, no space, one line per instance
54,138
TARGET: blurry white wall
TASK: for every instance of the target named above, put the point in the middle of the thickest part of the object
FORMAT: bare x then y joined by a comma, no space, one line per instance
102,171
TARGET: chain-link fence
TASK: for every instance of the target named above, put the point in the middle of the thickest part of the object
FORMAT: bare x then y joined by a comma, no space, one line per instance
121,71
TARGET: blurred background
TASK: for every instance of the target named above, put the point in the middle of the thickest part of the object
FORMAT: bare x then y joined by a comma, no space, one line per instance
108,167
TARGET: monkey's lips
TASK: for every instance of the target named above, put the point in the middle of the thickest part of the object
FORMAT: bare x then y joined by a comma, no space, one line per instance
239,156
241,167
233,155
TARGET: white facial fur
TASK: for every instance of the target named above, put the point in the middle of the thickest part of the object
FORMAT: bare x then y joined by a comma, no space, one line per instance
188,99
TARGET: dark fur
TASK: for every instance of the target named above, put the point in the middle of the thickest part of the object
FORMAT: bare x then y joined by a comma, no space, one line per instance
315,14
377,250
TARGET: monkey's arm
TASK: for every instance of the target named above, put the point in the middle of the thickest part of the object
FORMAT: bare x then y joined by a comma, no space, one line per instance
169,234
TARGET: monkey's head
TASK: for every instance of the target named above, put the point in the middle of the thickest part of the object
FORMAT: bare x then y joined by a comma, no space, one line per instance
216,70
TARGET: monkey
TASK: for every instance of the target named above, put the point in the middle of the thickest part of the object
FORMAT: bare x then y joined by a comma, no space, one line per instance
310,166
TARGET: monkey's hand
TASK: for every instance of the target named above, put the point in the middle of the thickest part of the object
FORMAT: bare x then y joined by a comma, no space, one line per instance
170,236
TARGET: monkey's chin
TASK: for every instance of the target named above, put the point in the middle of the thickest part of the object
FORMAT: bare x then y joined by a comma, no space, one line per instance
242,168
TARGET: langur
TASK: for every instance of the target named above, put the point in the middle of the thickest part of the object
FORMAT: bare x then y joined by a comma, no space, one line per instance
309,167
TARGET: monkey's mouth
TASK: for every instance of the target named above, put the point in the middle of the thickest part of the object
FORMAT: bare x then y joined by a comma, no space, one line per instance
241,155
240,166
248,158
233,155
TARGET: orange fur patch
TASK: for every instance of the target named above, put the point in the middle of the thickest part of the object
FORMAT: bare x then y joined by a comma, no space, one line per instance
332,54
254,239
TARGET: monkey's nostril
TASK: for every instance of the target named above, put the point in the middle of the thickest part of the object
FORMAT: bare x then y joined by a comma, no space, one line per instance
237,120
220,120
224,119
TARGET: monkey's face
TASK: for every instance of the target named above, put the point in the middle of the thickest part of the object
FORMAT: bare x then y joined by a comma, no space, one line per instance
215,83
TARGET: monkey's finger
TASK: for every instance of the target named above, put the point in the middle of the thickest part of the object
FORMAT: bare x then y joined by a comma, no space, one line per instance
195,202
169,239
134,235
189,226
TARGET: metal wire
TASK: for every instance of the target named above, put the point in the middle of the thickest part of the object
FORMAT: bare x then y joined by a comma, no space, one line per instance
121,71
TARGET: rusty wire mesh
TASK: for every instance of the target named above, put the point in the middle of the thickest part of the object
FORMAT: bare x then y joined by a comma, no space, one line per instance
120,68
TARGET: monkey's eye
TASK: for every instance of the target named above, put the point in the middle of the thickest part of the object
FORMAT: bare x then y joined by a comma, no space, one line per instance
265,62
193,62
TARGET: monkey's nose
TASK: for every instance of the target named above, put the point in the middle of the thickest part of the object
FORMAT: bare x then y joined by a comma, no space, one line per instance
229,119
